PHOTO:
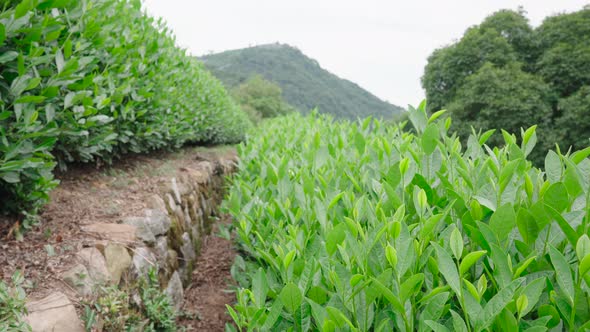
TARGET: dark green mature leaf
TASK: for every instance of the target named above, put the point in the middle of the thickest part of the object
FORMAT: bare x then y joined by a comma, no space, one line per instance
2,34
497,303
569,232
291,297
563,273
527,226
448,268
503,221
533,292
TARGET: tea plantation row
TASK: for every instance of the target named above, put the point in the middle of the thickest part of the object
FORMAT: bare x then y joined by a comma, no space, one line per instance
365,227
92,80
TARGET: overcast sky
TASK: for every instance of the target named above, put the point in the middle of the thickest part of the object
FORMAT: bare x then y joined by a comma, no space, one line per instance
382,45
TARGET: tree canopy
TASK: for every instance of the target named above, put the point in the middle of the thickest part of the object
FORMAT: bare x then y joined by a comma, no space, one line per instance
504,74
261,98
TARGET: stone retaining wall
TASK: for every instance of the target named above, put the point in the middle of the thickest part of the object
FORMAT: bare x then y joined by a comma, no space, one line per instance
167,236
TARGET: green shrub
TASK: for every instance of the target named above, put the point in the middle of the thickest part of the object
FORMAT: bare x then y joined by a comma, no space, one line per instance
88,80
365,227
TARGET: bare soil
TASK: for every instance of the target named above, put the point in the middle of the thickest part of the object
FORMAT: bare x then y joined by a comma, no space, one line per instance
87,195
206,297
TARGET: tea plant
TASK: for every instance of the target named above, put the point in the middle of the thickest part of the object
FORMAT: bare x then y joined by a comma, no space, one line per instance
365,227
82,81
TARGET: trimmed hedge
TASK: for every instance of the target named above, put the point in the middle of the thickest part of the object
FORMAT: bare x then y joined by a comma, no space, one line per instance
82,81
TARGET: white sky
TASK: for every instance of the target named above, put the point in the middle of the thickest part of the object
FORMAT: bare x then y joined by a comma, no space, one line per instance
382,45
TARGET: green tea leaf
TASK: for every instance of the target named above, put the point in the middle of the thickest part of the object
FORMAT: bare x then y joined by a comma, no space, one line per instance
583,247
456,243
556,196
503,221
335,237
553,167
430,138
260,287
563,273
291,297
497,303
447,268
470,259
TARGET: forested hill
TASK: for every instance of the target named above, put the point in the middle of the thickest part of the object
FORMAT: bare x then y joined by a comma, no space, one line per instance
304,83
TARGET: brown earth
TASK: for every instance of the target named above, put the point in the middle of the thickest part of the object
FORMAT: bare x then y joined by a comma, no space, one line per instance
206,297
89,195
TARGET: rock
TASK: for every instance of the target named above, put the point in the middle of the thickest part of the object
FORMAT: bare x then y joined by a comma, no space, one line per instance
206,167
161,250
188,250
175,191
157,221
196,235
144,233
205,207
192,198
174,290
113,232
53,313
170,203
180,216
172,260
96,265
156,202
143,260
118,261
198,176
187,217
78,278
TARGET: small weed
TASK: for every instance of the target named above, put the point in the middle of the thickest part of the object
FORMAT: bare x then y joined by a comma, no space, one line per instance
114,310
12,305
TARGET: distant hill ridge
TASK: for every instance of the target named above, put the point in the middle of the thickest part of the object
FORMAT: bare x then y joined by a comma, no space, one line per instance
305,84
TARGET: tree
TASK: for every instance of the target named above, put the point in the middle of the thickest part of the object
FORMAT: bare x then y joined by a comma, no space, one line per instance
449,67
503,74
261,98
515,28
573,124
565,43
503,98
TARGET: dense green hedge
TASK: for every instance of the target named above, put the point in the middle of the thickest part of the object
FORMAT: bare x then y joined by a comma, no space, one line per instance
93,80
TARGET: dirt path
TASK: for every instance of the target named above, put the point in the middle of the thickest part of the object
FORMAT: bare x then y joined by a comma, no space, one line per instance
89,195
206,297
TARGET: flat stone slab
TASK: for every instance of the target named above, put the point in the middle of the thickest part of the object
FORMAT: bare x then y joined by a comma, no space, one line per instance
53,313
112,232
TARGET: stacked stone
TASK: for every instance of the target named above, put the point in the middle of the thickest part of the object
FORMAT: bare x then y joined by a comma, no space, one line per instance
167,237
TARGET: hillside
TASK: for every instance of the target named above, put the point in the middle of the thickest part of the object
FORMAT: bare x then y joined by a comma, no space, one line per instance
305,84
